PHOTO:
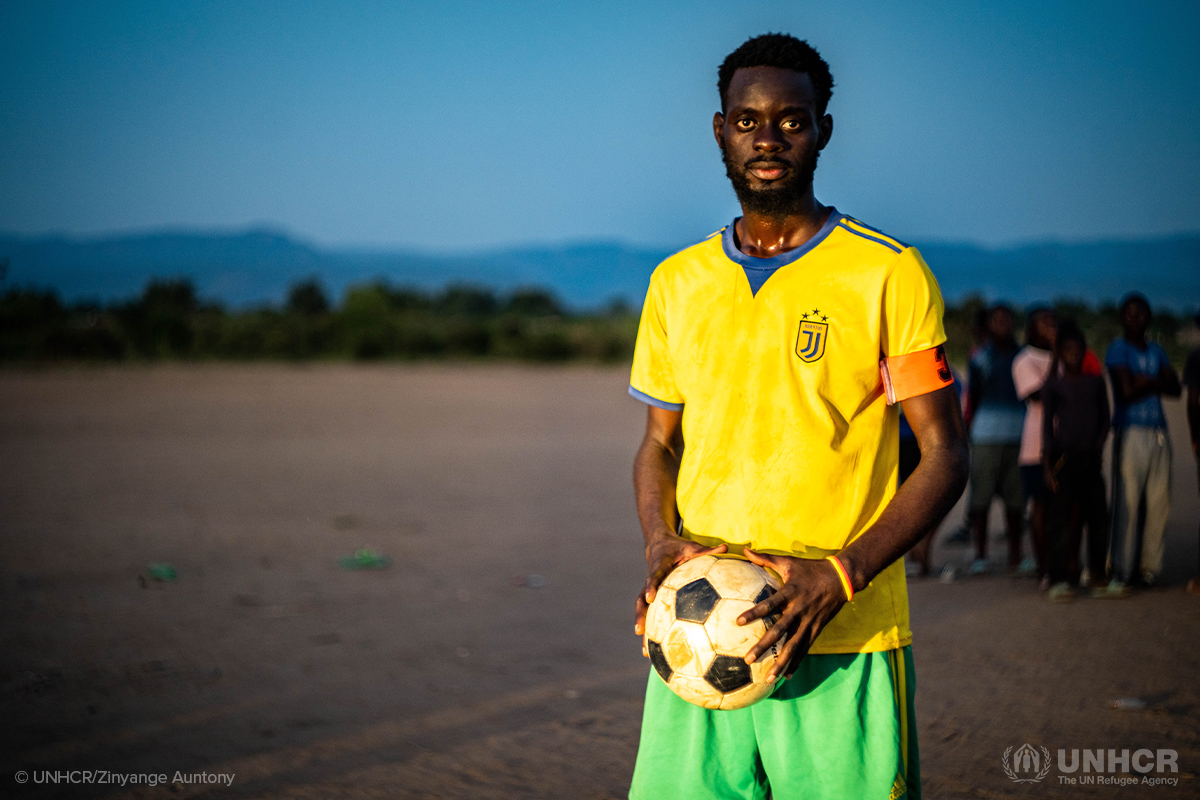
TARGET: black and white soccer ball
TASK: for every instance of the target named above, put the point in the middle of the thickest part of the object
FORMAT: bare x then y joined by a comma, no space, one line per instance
693,638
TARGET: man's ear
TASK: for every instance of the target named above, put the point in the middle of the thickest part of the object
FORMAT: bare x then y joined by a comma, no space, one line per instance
719,129
825,126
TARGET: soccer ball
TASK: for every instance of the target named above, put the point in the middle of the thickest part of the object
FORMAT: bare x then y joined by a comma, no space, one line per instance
693,638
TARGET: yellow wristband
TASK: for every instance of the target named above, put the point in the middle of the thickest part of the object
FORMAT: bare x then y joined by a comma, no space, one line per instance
843,576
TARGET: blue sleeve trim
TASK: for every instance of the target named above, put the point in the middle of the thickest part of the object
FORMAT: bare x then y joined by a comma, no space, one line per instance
857,221
654,401
876,239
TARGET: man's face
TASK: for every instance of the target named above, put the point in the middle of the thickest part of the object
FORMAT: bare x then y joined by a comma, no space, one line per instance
1000,324
1135,317
1046,326
1072,355
770,136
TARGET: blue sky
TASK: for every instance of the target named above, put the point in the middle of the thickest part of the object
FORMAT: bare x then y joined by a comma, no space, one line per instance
456,126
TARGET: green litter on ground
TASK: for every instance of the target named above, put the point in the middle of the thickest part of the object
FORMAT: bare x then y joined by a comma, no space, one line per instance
161,572
365,558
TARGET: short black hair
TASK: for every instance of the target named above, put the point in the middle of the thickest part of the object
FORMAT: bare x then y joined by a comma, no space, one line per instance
1133,297
1068,331
778,50
1031,315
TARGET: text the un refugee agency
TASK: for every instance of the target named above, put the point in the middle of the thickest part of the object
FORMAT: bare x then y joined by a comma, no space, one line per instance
1092,767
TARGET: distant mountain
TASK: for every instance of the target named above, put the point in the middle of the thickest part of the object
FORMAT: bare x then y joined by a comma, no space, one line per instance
258,266
237,268
585,275
1166,270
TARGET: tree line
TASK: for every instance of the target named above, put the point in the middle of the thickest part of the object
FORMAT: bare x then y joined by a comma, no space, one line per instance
169,320
374,321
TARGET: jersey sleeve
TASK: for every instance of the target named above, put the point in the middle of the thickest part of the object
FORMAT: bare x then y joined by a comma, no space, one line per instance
652,379
913,361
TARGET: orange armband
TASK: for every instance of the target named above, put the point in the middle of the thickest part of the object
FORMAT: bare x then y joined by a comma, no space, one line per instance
914,374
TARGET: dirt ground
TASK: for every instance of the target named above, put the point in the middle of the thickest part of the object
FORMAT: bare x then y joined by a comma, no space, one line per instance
495,657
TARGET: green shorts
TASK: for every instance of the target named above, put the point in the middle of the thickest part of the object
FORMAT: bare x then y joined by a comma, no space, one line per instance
841,727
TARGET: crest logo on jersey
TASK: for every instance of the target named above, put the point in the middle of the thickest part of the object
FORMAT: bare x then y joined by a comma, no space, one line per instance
814,331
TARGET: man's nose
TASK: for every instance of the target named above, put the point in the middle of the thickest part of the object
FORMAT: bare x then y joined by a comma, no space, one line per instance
768,140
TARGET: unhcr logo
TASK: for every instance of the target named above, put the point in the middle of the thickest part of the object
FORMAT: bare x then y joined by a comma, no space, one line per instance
1028,764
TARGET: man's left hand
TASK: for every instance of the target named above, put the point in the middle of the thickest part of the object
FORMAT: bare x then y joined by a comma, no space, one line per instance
810,596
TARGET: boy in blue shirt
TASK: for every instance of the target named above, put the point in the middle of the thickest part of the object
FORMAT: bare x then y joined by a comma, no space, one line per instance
1141,374
996,423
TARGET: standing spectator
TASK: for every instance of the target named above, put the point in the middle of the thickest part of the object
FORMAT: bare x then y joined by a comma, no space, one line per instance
1074,429
1141,374
1030,370
1191,379
979,337
995,427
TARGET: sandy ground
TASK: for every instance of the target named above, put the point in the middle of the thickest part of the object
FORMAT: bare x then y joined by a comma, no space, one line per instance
452,674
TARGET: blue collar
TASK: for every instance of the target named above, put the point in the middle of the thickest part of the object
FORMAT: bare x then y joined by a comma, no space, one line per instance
759,269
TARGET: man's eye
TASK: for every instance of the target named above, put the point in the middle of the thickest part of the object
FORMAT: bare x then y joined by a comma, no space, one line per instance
745,124
791,125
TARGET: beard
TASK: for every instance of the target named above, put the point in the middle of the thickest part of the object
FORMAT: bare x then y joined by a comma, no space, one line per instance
781,198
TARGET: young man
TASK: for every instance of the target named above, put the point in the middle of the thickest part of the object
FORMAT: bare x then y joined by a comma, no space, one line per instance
979,335
771,356
1191,380
1074,429
996,424
1141,374
1030,370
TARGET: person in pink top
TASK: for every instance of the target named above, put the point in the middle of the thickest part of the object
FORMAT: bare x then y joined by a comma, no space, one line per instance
1030,369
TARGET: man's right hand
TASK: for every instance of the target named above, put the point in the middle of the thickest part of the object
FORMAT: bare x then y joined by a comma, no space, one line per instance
664,554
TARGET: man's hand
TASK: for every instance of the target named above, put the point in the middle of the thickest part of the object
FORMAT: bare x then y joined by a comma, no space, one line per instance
810,596
812,592
1050,478
664,554
1130,388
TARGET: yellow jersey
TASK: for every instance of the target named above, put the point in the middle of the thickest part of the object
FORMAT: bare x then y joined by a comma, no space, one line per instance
780,368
